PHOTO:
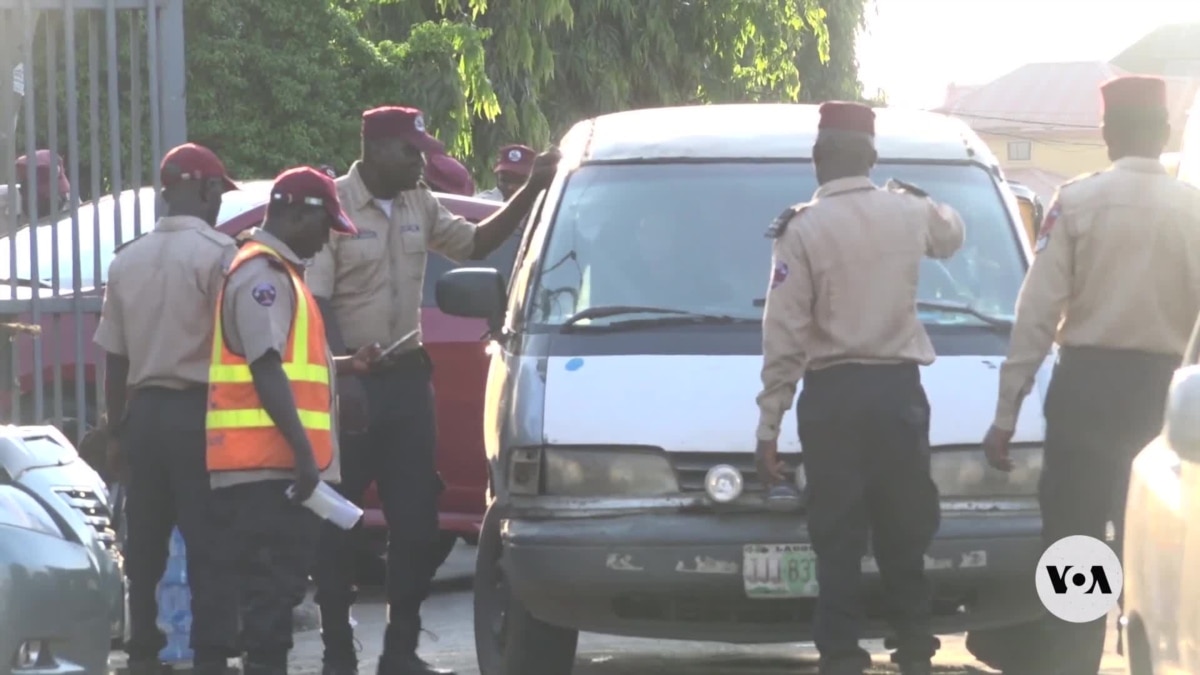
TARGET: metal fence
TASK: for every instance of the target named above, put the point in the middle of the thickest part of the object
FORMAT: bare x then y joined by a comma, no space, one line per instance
100,86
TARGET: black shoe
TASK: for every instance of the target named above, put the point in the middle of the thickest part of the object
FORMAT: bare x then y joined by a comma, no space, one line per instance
338,668
409,665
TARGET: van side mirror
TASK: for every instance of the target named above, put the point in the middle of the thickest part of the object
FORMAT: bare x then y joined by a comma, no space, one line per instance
1031,214
474,293
1183,412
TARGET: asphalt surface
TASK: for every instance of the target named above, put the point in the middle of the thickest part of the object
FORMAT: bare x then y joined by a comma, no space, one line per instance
450,643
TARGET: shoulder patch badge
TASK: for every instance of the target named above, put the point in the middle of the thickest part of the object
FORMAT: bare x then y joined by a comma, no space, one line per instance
264,294
781,222
779,274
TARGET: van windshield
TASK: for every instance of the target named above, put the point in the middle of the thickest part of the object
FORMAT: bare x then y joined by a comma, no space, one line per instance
690,237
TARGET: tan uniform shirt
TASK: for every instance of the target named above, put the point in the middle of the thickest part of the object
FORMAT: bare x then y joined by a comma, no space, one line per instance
1118,266
844,286
159,302
493,194
374,279
256,316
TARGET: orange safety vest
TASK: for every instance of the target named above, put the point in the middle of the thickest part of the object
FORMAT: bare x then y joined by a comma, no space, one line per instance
241,434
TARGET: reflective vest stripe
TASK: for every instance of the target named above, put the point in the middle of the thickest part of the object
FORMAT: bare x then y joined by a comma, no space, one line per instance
236,419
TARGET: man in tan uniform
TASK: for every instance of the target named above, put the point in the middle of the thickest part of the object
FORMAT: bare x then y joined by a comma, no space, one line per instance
512,170
370,287
841,313
1116,282
156,327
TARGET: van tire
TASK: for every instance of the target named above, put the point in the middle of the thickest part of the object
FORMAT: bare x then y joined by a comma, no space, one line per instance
1010,649
508,639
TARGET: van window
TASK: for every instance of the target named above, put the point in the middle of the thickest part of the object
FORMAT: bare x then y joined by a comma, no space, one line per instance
501,260
691,237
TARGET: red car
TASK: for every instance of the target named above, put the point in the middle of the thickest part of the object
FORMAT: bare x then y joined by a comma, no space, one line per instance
459,376
460,365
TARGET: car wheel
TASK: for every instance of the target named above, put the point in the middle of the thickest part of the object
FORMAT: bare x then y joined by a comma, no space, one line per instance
508,639
1009,649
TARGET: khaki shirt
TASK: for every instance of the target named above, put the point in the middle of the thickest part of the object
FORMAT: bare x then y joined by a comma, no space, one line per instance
159,302
1118,266
252,328
374,279
844,286
493,194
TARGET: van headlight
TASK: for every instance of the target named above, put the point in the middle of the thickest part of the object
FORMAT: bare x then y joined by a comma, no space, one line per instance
596,472
20,509
966,474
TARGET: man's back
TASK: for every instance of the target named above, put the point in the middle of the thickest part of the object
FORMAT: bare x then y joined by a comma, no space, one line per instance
160,300
1134,258
864,247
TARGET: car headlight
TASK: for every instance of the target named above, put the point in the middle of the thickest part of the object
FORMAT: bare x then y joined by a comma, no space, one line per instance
966,474
595,472
19,509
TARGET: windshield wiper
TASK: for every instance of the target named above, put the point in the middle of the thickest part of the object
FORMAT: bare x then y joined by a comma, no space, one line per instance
666,316
962,308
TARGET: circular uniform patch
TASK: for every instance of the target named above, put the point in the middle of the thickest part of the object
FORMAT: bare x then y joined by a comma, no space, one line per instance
264,294
780,274
514,155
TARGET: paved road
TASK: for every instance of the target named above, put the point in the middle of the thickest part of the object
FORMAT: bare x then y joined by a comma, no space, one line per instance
448,616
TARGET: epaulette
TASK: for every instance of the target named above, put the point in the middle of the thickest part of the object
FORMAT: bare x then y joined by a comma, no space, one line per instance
781,222
126,244
900,186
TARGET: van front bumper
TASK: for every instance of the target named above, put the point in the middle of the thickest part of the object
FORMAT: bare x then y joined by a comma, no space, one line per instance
679,576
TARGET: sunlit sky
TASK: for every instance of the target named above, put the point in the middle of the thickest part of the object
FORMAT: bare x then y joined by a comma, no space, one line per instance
913,48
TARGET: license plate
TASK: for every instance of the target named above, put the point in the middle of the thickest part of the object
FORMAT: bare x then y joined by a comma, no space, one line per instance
772,571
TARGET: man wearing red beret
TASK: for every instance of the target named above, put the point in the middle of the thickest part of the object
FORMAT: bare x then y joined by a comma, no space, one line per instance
369,286
512,169
157,332
1116,283
52,191
841,314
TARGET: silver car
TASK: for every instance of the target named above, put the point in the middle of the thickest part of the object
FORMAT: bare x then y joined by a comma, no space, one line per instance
61,588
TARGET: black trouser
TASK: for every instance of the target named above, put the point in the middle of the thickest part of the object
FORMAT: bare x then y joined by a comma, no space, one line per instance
864,430
398,453
269,544
164,444
1102,408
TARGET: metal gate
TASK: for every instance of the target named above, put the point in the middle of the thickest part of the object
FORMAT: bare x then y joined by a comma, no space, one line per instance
98,86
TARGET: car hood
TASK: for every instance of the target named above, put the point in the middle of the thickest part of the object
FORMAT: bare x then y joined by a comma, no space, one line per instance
706,403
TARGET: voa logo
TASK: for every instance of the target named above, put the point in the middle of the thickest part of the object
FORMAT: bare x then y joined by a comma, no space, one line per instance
1079,579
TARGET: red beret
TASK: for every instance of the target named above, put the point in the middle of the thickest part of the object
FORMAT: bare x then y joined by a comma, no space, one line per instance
193,162
517,159
446,174
397,122
847,116
310,186
1134,91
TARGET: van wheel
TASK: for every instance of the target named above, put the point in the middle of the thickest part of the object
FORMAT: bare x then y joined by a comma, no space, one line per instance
508,639
1009,649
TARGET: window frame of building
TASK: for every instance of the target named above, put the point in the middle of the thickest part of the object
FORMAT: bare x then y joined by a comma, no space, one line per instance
1024,151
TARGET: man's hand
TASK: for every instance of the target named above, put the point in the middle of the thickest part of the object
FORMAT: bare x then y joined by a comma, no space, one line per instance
352,404
307,477
770,467
365,358
545,166
995,447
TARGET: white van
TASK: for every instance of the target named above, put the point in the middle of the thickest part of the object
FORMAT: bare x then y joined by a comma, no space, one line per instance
604,419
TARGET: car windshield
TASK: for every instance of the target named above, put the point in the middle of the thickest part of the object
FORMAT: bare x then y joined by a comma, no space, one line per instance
690,237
